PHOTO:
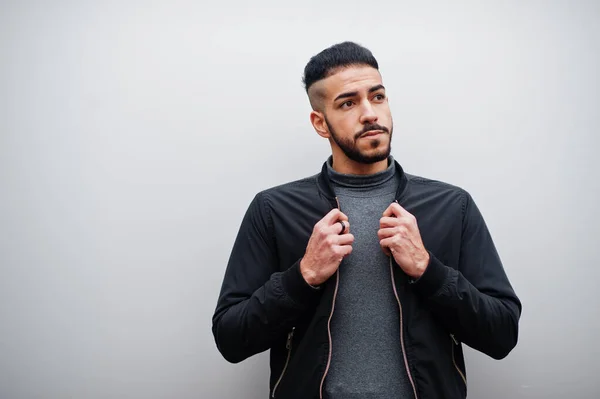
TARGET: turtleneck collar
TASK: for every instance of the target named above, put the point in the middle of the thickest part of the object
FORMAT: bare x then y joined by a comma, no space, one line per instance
361,181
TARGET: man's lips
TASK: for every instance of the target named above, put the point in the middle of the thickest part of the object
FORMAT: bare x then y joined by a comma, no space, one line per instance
372,133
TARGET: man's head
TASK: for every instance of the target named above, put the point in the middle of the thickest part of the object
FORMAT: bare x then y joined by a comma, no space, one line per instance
349,103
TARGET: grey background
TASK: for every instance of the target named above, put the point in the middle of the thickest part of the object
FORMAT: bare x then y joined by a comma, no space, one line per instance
134,134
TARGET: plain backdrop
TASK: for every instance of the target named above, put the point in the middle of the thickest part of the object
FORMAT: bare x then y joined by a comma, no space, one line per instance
133,136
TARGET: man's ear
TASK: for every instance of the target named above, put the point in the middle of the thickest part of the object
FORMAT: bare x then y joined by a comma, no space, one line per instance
318,121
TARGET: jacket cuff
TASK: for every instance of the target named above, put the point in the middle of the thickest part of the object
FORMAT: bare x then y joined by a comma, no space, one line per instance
434,277
296,287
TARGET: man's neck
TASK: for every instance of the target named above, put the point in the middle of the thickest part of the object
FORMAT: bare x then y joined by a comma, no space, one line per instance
349,167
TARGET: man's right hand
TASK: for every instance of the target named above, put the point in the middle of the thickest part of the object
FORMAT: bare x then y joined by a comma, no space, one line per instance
327,247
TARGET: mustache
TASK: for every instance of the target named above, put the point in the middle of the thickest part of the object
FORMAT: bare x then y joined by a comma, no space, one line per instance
369,127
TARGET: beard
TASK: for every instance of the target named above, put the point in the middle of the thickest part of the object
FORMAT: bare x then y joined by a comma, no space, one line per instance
351,150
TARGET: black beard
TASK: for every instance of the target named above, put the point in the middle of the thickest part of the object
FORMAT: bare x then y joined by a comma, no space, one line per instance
348,146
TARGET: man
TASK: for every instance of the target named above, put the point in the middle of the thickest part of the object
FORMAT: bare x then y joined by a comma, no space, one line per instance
363,280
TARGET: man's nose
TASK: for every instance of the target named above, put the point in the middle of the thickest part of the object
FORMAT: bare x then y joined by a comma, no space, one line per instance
368,114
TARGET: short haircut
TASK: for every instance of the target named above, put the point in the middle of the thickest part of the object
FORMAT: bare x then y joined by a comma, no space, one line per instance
330,60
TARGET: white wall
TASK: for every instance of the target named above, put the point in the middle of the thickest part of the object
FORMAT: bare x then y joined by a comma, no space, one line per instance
133,136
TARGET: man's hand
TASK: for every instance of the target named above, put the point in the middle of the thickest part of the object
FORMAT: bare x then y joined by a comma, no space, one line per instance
399,236
327,247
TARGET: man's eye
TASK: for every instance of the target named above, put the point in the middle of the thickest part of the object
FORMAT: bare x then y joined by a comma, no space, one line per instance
346,104
379,97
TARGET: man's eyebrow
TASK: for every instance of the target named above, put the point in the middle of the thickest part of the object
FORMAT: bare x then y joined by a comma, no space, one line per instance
355,93
375,88
345,95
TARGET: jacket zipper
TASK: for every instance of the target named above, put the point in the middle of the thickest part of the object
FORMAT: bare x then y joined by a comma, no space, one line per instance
402,331
337,282
402,326
288,346
454,359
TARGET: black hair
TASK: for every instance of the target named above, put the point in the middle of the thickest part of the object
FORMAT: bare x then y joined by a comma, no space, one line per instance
337,56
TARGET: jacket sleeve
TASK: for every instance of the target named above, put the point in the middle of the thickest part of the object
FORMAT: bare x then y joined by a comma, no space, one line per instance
257,302
476,303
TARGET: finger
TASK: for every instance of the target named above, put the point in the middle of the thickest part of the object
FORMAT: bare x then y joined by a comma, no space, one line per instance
394,210
336,228
385,246
344,239
387,243
344,250
388,221
386,251
333,216
343,216
387,232
388,211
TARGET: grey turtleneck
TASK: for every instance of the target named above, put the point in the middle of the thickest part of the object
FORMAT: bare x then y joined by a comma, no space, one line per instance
367,360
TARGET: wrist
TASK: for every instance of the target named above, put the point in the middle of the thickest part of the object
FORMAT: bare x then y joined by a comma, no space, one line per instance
308,275
421,266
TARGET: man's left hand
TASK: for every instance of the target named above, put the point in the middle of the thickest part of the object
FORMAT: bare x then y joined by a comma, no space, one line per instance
399,236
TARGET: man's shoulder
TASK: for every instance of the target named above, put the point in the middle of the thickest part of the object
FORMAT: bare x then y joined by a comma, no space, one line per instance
303,187
432,185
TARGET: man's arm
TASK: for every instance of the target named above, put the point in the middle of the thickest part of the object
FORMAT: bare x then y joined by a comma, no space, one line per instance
257,302
476,303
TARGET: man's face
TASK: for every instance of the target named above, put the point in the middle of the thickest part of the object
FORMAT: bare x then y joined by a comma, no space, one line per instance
356,113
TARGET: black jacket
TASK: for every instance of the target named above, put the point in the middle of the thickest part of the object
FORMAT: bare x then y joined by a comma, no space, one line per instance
464,296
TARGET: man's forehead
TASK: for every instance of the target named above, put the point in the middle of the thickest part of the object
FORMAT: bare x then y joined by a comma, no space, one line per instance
354,78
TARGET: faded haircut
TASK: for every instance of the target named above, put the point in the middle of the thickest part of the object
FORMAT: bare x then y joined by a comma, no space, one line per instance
330,60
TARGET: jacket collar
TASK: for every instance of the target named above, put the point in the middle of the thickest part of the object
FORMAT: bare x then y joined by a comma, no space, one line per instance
326,188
